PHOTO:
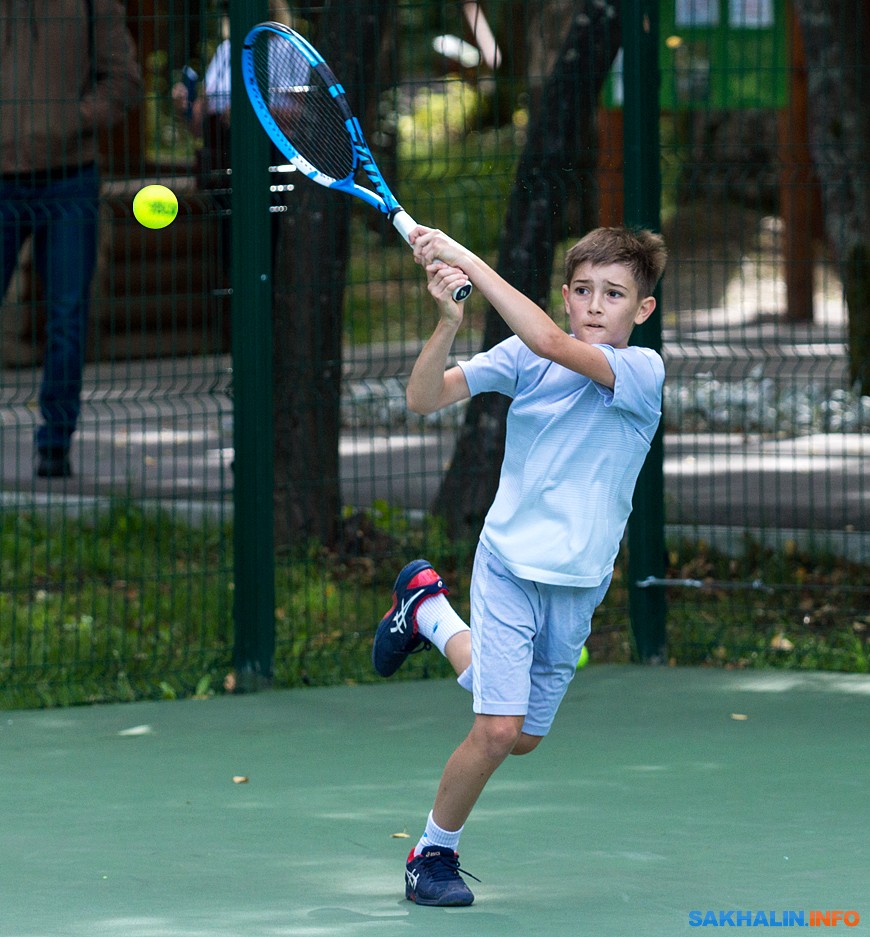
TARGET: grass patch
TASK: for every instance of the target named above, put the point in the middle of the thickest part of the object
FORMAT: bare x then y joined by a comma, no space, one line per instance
815,615
122,605
132,605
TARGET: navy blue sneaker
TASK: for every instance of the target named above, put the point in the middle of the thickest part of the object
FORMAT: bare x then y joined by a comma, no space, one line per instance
397,636
433,878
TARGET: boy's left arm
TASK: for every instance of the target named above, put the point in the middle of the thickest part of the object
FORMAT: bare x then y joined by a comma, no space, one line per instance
431,385
529,322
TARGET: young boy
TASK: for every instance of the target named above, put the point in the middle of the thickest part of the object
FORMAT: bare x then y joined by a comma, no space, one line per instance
585,407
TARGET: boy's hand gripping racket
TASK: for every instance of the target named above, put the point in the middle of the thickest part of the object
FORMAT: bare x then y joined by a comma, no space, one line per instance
305,111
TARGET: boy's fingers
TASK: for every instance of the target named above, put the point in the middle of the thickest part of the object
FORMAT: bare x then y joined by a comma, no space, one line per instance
416,233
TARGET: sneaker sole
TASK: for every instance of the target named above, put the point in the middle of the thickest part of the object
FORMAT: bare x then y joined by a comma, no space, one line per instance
440,903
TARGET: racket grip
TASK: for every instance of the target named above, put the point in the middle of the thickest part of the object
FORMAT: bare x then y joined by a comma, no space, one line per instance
405,224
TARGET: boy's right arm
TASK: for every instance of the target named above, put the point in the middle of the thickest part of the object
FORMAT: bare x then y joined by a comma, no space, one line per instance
431,387
529,322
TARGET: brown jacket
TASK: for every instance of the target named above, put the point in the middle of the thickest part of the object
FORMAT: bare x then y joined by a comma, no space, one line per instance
65,74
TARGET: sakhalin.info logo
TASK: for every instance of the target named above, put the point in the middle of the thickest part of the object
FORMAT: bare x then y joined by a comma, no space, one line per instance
773,918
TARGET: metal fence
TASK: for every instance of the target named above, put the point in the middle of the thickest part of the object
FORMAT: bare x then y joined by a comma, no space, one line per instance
245,477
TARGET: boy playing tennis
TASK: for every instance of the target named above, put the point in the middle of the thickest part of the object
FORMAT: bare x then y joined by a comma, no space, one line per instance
585,407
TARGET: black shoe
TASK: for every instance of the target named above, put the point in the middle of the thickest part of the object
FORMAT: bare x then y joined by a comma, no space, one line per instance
53,463
433,878
397,636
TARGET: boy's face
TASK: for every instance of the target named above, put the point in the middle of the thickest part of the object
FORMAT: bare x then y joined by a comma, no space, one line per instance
603,304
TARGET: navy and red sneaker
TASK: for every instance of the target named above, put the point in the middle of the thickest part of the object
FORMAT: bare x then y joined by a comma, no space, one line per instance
433,878
397,635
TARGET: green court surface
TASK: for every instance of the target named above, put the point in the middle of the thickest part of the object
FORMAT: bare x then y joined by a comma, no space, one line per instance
648,801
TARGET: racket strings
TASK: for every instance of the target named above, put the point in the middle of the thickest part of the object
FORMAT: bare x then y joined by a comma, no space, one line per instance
301,105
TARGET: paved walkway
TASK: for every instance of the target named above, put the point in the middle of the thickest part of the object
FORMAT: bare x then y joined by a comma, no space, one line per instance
163,430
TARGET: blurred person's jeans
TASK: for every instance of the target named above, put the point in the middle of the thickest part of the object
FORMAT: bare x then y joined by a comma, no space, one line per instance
59,211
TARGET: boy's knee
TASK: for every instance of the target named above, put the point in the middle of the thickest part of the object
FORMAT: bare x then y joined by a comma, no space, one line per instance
499,734
526,743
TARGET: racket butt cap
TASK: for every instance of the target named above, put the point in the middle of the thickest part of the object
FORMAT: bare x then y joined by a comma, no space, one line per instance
461,293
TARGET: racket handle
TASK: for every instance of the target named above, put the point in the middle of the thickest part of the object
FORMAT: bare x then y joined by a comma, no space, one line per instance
405,224
461,293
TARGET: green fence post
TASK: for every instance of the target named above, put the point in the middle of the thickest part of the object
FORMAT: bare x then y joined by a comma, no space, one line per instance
642,187
253,534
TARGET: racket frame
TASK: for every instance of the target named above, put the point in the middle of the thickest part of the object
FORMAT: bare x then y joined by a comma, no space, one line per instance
381,197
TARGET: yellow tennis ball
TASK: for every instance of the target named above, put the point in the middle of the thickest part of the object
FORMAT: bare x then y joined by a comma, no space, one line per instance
155,206
584,657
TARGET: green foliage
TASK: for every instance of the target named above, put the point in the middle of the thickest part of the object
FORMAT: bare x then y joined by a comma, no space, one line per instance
453,173
328,604
809,612
130,604
92,607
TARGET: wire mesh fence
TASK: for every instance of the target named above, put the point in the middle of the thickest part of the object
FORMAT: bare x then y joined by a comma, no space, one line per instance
119,580
766,408
116,571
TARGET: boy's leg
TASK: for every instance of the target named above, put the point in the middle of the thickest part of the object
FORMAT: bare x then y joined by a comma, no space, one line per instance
566,624
432,871
420,612
502,638
490,741
502,652
458,652
499,651
468,771
420,616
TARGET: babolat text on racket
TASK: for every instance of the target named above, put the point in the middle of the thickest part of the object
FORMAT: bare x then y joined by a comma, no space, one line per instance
305,111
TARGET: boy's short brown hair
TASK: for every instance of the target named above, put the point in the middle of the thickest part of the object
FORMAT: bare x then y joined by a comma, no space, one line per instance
641,250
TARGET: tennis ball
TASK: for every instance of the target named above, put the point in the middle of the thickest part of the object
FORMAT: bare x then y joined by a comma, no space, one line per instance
584,657
155,206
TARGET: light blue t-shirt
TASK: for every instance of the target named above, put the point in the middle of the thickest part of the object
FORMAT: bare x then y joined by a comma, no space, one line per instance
573,451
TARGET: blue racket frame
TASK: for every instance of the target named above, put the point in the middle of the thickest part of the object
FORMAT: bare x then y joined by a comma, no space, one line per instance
381,198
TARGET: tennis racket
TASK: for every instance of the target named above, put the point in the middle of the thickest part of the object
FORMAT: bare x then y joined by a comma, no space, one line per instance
305,112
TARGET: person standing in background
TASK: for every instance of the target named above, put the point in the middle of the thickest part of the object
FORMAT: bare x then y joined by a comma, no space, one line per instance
68,70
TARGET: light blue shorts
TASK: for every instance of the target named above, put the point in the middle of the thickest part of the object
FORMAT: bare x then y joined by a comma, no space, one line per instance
526,639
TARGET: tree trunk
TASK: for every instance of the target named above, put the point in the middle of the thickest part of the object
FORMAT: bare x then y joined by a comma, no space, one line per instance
307,361
836,35
558,157
310,273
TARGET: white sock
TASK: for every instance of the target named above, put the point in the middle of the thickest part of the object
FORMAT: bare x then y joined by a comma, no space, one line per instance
437,622
433,835
466,678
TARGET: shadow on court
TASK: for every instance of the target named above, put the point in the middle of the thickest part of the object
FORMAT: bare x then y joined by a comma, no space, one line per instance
648,801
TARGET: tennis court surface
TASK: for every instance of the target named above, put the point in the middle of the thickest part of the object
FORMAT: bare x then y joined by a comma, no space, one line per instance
650,800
